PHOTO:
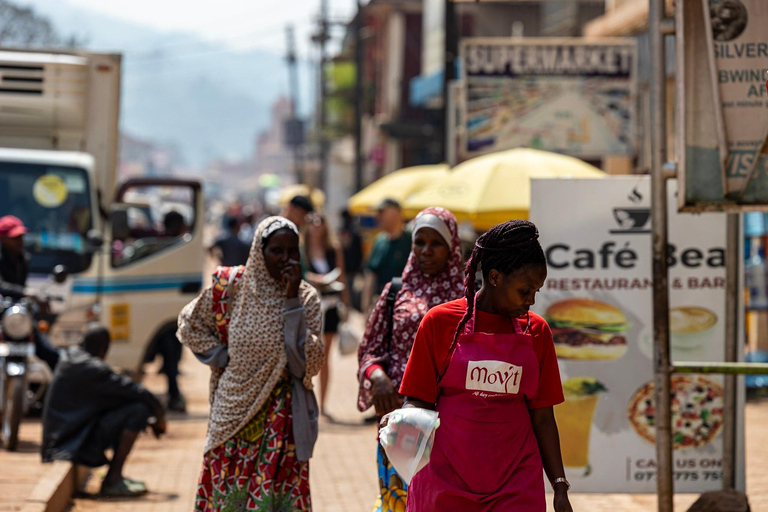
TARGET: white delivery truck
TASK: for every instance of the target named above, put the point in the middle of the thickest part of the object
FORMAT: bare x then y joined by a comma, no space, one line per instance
133,250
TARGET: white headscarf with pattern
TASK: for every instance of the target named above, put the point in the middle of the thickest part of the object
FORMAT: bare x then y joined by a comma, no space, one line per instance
257,356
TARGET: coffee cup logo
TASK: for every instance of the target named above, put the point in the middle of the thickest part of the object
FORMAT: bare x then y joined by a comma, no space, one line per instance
631,221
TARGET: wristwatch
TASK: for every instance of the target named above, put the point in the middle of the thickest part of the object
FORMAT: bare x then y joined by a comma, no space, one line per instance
561,480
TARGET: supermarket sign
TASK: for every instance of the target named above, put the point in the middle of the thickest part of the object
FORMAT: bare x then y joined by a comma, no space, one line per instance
564,95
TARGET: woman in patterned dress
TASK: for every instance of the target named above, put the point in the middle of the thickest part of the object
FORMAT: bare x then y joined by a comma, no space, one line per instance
259,328
432,276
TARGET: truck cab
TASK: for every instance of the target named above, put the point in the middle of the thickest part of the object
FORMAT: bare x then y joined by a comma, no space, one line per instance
133,250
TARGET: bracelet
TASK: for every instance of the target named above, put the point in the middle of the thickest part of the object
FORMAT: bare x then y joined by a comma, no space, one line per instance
561,480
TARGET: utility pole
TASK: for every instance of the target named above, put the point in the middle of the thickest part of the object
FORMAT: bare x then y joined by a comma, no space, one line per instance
293,81
661,357
322,38
359,100
451,49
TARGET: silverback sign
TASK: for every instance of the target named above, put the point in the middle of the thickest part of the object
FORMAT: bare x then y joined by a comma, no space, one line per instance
722,62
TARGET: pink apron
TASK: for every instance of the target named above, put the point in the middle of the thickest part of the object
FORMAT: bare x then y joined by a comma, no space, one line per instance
485,456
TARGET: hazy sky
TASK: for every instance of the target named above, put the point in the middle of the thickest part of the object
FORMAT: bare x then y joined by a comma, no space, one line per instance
239,23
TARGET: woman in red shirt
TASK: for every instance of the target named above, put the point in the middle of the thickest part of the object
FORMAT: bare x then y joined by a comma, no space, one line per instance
488,366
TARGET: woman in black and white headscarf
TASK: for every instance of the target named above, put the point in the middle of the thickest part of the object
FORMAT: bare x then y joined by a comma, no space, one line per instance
259,328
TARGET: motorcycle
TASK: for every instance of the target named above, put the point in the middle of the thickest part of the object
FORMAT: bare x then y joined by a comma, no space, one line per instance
18,363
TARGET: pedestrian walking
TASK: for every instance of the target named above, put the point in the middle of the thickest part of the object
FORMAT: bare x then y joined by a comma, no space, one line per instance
259,328
494,436
232,251
432,276
298,210
168,345
352,243
324,261
247,227
389,253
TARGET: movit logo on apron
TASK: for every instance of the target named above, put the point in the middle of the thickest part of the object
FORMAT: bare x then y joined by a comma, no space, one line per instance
494,376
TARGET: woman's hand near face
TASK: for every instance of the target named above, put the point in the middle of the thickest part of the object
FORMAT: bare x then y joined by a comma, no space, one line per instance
385,396
292,279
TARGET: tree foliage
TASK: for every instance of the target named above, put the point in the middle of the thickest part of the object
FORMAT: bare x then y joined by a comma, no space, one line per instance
22,26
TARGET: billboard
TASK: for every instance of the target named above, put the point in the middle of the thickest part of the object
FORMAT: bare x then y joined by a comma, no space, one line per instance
569,96
722,58
598,301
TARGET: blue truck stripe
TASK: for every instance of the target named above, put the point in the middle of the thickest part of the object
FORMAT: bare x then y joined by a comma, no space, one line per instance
134,284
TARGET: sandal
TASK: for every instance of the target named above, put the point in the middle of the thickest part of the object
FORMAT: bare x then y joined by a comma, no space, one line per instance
136,485
121,489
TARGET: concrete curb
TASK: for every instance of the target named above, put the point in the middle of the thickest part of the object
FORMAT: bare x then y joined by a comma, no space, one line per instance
55,489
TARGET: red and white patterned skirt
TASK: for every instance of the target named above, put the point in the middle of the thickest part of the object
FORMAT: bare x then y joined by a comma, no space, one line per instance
257,469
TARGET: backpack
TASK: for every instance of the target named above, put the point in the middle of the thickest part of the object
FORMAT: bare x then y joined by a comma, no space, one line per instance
225,281
394,288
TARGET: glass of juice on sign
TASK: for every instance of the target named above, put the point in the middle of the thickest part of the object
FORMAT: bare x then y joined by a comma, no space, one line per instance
574,421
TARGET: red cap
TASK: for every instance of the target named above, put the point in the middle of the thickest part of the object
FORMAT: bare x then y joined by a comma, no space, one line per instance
12,227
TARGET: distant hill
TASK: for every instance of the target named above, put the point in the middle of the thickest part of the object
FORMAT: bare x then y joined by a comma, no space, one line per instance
209,101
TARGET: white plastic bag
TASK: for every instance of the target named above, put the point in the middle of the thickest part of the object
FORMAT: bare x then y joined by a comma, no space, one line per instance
349,339
408,438
351,333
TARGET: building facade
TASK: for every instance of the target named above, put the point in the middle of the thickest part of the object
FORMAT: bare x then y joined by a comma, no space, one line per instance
403,122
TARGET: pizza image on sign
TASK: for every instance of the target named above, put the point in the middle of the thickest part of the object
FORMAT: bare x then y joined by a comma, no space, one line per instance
697,411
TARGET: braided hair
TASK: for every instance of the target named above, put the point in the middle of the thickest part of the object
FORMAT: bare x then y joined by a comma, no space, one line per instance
507,247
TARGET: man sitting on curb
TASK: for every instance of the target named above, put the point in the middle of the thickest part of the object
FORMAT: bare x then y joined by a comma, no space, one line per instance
89,409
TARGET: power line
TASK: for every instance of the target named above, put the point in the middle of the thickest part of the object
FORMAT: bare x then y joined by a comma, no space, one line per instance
165,58
262,33
190,61
190,32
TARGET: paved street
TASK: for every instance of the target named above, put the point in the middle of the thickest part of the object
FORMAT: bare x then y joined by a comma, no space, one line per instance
343,470
20,471
143,143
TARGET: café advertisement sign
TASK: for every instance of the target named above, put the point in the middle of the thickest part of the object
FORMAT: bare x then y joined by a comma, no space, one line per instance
565,95
722,59
598,302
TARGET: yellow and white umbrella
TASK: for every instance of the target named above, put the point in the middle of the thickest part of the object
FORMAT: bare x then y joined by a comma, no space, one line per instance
398,185
495,188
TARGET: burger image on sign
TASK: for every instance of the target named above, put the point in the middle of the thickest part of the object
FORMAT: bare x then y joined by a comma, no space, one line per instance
587,329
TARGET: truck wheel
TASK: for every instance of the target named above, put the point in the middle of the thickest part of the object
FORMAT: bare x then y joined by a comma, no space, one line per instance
14,410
